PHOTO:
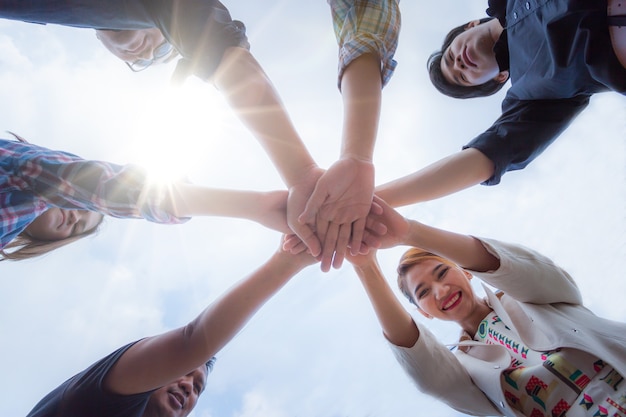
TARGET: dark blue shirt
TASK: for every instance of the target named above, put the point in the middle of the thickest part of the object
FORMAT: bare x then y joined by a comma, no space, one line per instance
201,30
84,395
560,54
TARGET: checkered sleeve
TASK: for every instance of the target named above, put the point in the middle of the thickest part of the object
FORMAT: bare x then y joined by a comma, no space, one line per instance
67,181
366,26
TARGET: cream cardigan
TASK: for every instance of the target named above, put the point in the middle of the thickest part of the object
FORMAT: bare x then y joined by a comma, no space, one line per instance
542,303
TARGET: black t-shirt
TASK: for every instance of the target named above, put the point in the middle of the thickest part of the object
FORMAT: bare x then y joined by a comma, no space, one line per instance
83,395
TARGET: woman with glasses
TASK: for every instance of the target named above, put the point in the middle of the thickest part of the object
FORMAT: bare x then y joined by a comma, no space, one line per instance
51,198
214,47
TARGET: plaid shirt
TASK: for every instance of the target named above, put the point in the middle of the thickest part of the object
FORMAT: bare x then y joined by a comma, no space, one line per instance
366,26
33,179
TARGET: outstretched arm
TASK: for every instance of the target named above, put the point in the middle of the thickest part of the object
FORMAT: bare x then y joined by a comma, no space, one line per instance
464,250
156,361
256,102
267,208
444,177
343,195
396,323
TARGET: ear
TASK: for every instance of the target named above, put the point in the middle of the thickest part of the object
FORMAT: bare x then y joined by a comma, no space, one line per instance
502,77
468,274
472,24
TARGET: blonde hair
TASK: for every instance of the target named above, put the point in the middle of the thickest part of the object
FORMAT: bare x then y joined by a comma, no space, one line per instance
409,259
27,247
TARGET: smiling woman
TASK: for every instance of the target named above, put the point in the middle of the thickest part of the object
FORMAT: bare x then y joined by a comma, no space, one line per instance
534,332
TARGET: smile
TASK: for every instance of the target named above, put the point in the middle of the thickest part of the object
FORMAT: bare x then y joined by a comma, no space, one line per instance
451,302
467,59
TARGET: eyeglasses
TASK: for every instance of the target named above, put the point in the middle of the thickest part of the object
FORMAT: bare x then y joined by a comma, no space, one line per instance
161,53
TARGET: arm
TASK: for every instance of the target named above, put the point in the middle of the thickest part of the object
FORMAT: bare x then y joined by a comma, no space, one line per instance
343,195
396,323
367,33
266,208
181,350
433,368
254,99
520,134
520,272
446,176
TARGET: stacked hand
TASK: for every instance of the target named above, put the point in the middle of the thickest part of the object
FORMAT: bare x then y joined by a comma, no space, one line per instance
337,211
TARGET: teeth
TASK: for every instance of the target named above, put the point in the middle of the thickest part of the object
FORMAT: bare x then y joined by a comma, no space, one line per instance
452,301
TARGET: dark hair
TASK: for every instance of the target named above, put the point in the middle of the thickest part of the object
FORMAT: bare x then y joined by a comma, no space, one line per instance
210,364
453,90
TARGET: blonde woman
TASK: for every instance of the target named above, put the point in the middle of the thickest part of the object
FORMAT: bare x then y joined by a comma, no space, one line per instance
530,348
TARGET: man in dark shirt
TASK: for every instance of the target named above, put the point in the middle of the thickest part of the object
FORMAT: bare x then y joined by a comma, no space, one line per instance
163,375
557,53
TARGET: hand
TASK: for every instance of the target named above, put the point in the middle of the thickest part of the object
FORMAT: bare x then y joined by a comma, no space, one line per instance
338,207
374,230
272,211
397,226
297,198
300,259
362,259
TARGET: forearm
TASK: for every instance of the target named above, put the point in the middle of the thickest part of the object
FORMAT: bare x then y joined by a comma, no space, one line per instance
446,176
254,99
224,318
194,200
397,325
464,250
181,350
361,91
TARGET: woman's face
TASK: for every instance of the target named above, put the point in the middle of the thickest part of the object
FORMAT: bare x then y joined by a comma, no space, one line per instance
441,291
58,224
470,59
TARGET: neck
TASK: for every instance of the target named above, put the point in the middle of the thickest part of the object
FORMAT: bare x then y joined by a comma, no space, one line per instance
495,29
471,323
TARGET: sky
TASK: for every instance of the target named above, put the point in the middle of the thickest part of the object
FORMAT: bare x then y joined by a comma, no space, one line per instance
316,348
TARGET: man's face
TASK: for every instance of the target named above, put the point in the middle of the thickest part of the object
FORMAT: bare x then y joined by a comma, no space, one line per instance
132,45
470,59
178,398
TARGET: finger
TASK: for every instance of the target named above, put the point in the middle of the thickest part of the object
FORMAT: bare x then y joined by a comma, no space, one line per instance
370,241
374,226
376,208
290,241
299,248
328,249
306,234
358,227
314,204
342,244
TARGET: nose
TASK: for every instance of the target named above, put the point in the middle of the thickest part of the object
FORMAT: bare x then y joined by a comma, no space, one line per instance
440,290
186,385
458,62
72,217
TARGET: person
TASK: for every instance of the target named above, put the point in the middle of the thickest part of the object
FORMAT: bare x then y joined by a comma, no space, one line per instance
529,349
557,54
164,375
51,198
367,33
215,48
